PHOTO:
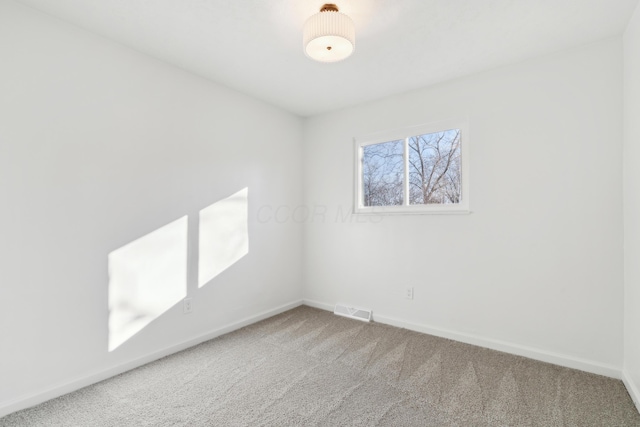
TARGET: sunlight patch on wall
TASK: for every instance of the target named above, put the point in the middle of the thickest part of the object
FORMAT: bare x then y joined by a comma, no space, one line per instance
146,278
223,236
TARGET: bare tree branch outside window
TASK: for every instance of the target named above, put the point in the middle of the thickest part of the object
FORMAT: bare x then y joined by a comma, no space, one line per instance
383,174
434,170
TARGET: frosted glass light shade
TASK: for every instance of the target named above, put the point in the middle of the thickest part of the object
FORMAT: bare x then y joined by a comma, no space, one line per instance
329,36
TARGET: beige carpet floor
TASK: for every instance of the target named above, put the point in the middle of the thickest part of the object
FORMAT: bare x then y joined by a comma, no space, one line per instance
307,367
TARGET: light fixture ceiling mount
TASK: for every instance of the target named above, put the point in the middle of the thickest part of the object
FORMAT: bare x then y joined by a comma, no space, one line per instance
329,36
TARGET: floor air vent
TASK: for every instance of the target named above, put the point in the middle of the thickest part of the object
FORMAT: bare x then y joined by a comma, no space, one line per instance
352,312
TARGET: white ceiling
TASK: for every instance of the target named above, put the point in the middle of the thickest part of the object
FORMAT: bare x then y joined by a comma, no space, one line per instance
255,46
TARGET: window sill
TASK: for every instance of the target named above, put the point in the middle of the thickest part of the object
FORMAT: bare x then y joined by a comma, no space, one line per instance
405,210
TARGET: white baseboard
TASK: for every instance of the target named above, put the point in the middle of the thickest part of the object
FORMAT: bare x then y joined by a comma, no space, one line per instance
506,347
27,401
318,304
632,388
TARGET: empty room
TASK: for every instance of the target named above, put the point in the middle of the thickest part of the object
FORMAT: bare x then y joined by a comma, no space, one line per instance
299,213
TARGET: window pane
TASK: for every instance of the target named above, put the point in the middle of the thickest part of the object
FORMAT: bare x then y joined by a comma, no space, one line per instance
434,168
383,174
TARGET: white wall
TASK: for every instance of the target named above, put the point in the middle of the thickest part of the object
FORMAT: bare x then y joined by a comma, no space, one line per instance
537,267
100,145
632,206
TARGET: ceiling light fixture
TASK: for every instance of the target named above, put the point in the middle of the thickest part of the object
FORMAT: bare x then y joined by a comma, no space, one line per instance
329,36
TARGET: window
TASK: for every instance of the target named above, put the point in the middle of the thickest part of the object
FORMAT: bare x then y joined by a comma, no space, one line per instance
416,170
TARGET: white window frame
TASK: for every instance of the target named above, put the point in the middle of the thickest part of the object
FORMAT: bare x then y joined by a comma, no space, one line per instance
404,134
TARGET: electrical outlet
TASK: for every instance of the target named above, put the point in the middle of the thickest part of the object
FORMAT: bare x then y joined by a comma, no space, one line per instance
408,293
188,306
